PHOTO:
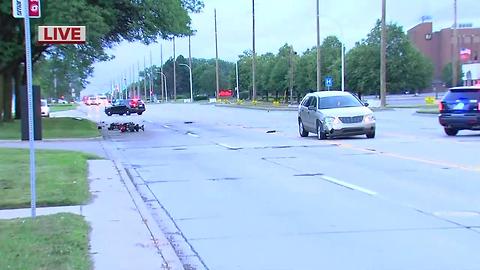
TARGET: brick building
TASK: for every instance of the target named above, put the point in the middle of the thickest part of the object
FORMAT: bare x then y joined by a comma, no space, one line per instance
438,46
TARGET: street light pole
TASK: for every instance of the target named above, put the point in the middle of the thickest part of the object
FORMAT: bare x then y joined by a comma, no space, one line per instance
164,78
236,75
161,70
343,66
254,56
319,65
455,47
191,81
383,59
216,53
174,72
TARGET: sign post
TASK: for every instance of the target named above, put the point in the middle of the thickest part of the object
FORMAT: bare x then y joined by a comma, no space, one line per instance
19,12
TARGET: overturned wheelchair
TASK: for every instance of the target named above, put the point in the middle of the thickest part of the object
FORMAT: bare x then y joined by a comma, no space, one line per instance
124,127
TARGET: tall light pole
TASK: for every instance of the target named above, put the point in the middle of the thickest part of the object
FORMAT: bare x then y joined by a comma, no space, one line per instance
164,78
455,46
319,63
254,56
216,53
191,81
343,67
236,75
383,59
161,70
174,72
291,73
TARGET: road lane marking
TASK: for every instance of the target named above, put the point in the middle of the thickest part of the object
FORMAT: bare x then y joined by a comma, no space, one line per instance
421,160
348,185
193,135
228,146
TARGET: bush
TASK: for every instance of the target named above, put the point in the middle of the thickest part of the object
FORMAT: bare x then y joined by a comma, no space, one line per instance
244,95
200,97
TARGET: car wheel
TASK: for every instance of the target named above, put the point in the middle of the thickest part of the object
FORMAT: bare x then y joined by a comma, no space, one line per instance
301,129
321,135
140,113
128,112
451,131
371,134
109,113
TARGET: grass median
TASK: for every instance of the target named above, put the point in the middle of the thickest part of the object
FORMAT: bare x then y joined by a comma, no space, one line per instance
62,107
49,242
53,128
61,178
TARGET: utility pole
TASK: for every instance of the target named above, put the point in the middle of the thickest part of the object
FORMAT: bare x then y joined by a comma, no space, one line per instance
161,71
174,72
216,53
455,46
319,60
291,74
236,73
254,56
343,67
138,80
150,76
383,59
144,78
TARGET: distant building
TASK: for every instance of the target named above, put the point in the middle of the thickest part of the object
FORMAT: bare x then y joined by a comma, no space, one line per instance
438,46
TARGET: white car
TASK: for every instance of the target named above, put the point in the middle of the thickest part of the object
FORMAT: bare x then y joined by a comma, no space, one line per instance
44,108
335,114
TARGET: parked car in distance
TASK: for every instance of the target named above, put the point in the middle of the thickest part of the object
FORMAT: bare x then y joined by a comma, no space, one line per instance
125,106
460,110
335,114
44,108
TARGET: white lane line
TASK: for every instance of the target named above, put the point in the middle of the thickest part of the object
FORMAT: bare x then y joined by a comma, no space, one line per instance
228,146
348,185
166,126
193,135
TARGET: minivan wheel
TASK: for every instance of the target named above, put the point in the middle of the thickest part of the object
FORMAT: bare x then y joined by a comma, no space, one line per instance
451,131
321,135
301,129
128,112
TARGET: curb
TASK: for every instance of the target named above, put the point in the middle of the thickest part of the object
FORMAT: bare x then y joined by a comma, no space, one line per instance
98,138
163,245
284,109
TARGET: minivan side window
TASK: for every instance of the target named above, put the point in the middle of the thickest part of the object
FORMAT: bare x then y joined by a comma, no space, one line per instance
306,102
314,102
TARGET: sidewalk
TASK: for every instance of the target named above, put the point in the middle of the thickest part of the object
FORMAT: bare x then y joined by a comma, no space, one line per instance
122,236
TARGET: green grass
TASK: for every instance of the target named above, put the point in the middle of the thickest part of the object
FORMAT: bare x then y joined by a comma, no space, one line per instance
53,128
46,243
429,111
62,107
415,106
61,178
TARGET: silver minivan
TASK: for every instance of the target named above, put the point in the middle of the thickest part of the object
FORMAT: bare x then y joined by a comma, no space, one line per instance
335,114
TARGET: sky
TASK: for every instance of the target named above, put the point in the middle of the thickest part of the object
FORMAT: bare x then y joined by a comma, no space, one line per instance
278,22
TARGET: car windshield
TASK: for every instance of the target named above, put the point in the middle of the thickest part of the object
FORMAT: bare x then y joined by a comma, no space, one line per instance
339,102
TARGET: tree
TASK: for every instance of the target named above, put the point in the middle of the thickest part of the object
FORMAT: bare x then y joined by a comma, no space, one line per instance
108,22
447,75
407,68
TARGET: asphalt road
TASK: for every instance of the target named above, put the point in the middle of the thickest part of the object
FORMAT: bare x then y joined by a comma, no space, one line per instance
239,189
